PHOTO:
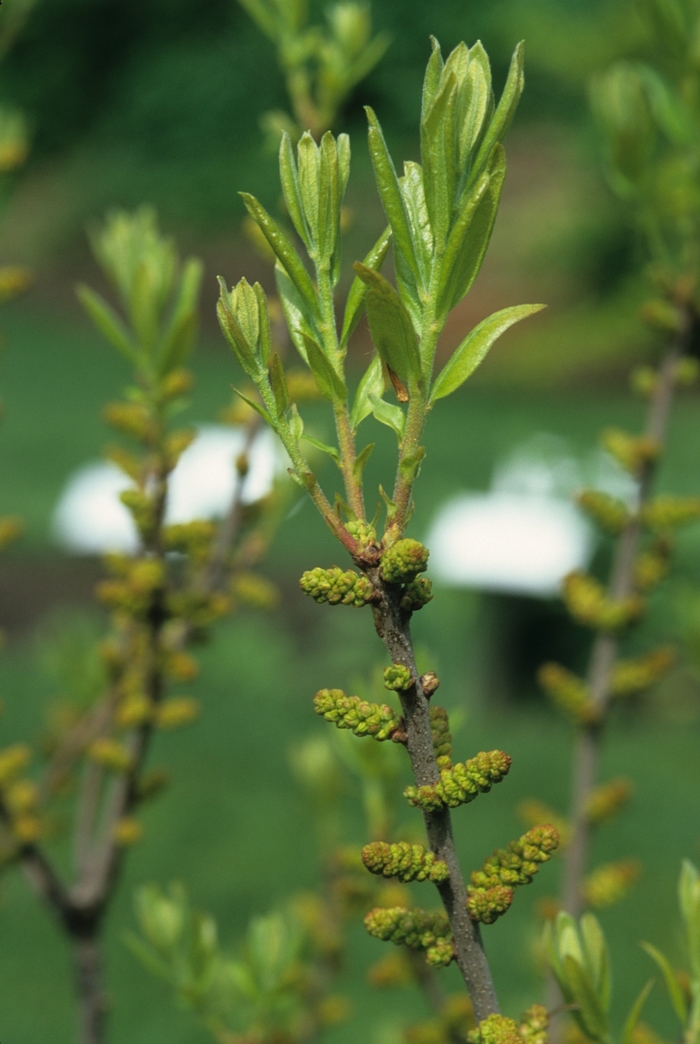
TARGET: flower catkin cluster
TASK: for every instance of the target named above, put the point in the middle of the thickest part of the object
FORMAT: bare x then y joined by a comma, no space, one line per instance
606,800
491,890
568,692
405,861
586,600
403,561
608,884
634,676
666,512
397,678
337,587
360,716
442,737
461,783
416,594
497,1029
418,929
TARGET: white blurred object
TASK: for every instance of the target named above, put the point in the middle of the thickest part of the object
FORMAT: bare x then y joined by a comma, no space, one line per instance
525,535
90,519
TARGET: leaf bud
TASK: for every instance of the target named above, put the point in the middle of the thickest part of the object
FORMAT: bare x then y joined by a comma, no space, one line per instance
404,560
110,754
180,710
337,587
495,1029
359,716
608,884
245,323
461,783
127,831
397,678
405,861
429,683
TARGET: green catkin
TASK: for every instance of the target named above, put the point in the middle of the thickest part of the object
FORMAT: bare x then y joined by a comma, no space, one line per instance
416,594
588,604
567,691
609,513
403,561
405,861
418,929
360,716
666,512
634,676
461,783
337,586
533,1025
442,737
364,532
507,868
496,1029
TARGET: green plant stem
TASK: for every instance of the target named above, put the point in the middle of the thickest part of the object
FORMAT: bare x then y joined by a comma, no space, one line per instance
393,627
588,743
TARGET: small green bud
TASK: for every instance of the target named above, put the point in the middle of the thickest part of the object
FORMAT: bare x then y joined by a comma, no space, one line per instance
397,678
462,783
337,587
403,561
360,716
405,861
417,929
507,868
416,594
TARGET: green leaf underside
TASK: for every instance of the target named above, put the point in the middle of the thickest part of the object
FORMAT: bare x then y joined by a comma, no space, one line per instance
476,345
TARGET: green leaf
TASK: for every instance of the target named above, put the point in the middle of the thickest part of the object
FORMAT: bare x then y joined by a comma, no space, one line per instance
390,325
597,957
410,465
289,178
439,155
265,333
505,111
470,235
278,382
330,450
296,424
288,257
414,197
635,1012
329,205
590,1014
390,193
328,381
299,321
475,347
689,896
372,383
343,143
361,459
431,81
255,406
144,953
309,161
675,991
358,289
392,416
177,340
108,323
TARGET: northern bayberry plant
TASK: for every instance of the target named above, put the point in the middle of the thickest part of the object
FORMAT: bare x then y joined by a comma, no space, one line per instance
440,216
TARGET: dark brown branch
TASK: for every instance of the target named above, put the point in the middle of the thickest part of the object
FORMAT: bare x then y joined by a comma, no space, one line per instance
394,629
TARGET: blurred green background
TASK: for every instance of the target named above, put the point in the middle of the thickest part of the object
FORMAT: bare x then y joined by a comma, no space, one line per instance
160,102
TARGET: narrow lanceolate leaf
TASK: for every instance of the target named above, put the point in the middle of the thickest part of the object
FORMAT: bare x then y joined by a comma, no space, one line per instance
390,193
108,323
330,450
635,1013
263,323
309,165
290,187
392,416
285,252
299,321
390,325
470,235
358,290
328,382
329,202
358,467
431,81
179,336
255,406
343,143
590,1011
475,347
675,990
372,383
439,156
278,382
504,112
413,193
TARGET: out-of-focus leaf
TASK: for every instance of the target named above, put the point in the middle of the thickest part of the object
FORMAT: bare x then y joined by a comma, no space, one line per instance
675,990
635,1013
108,323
